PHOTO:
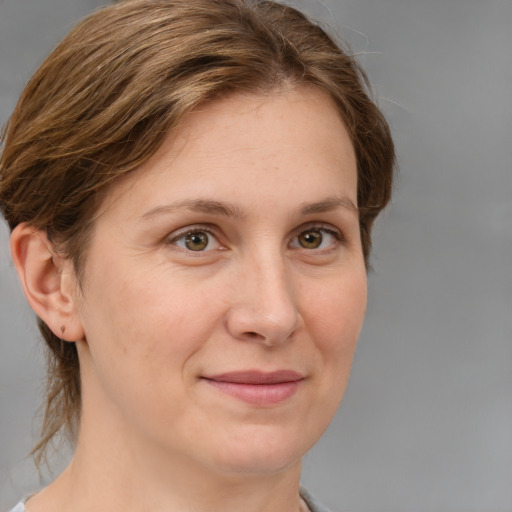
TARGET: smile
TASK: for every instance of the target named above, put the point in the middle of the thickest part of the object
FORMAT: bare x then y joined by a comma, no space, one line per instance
258,388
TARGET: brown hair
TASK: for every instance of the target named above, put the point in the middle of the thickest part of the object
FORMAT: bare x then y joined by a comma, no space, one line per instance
102,102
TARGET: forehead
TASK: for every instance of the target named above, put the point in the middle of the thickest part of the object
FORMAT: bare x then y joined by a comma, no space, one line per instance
248,143
290,119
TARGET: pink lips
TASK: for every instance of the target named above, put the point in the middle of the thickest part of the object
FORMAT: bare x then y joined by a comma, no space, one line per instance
256,387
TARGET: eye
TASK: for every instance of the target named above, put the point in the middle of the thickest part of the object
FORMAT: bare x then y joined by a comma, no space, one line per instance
199,240
316,238
310,239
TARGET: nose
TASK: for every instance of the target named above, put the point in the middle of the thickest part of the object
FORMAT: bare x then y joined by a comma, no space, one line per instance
264,307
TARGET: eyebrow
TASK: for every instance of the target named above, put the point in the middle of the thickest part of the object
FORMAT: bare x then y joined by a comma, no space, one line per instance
197,205
232,210
328,204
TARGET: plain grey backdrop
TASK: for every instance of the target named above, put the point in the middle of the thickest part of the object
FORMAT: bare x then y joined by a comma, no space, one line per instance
426,423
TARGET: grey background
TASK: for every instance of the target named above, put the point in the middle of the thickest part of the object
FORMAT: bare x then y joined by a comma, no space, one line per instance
426,424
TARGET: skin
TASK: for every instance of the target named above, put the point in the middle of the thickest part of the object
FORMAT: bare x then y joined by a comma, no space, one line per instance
153,317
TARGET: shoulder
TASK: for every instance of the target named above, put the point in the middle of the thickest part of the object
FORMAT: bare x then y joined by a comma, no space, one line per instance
313,504
20,507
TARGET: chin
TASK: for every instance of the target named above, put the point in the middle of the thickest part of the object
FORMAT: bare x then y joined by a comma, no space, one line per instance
258,451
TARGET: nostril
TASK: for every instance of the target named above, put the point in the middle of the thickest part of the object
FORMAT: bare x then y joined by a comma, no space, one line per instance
270,324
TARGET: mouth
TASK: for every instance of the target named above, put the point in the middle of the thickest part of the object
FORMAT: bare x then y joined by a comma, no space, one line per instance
256,387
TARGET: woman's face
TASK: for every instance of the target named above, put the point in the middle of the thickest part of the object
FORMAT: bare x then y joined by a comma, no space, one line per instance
225,287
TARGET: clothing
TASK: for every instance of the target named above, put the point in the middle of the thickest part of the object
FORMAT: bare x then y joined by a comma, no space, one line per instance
20,507
311,502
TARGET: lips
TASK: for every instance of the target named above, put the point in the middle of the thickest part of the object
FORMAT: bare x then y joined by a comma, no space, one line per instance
256,387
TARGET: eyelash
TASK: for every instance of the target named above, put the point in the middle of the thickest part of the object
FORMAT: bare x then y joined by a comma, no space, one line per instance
327,229
191,231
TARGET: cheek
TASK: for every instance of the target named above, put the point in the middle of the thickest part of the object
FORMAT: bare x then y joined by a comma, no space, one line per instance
336,312
141,333
335,316
150,316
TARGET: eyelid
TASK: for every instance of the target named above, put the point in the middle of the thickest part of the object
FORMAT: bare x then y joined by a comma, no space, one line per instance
319,226
322,226
172,238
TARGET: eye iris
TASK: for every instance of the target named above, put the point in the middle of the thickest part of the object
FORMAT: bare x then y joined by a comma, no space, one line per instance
196,241
310,239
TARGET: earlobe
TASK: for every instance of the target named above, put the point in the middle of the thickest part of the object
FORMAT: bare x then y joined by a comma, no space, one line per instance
48,281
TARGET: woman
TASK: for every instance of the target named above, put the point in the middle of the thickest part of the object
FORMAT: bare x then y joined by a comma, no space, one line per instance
191,187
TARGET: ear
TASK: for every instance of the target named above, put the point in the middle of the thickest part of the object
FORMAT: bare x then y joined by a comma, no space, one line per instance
48,280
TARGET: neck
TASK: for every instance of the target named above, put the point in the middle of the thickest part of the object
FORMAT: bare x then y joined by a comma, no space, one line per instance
113,469
78,489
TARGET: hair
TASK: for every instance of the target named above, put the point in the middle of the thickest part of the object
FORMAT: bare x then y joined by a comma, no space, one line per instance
101,104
